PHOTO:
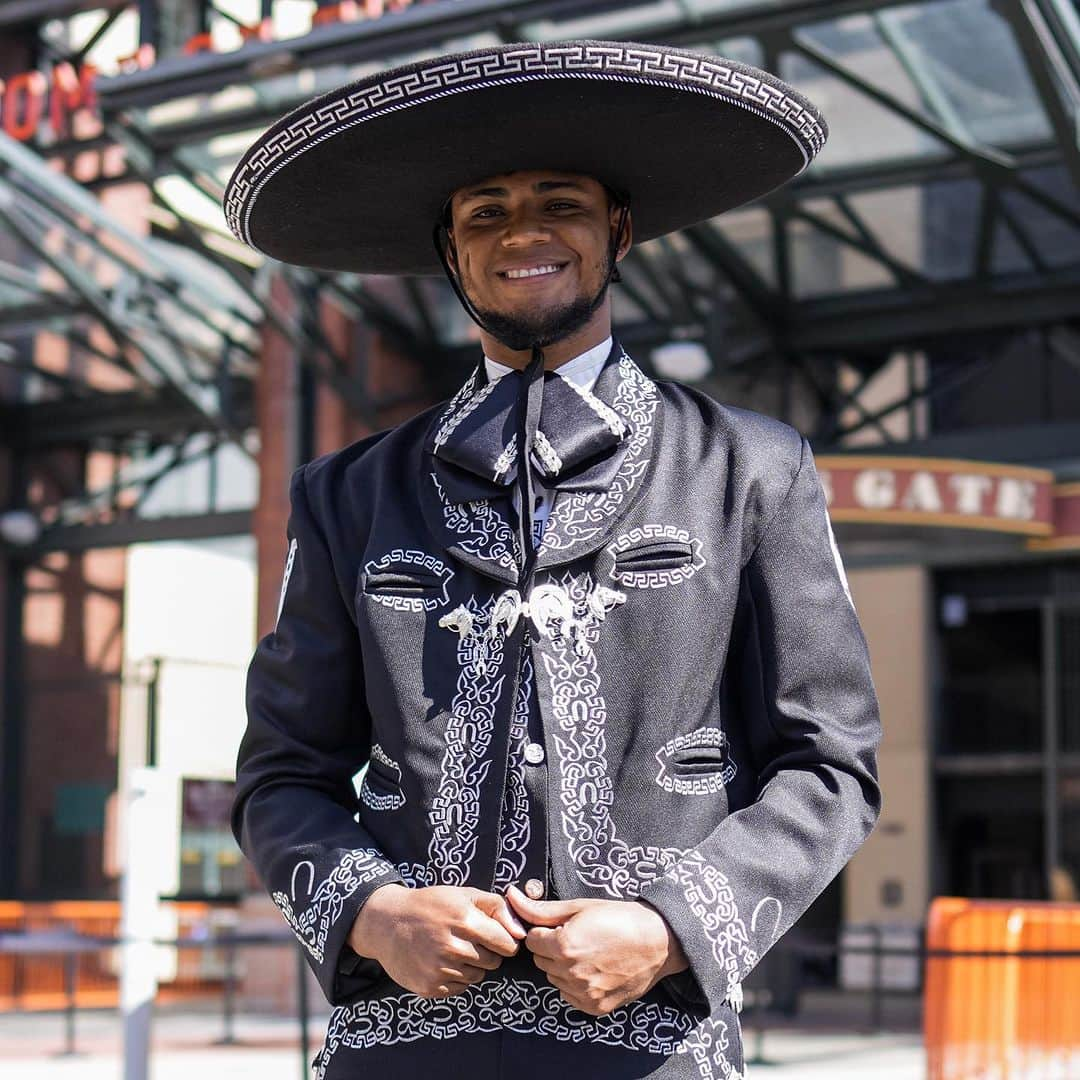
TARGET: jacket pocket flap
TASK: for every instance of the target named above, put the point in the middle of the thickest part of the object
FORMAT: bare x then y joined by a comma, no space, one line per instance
694,758
410,580
656,555
400,582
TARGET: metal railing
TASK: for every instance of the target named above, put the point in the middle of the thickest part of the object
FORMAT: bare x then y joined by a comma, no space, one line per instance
771,993
69,946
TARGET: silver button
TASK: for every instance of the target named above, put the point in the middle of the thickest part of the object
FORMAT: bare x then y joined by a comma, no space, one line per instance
534,889
534,753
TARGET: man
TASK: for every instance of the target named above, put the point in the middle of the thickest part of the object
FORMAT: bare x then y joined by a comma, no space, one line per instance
611,693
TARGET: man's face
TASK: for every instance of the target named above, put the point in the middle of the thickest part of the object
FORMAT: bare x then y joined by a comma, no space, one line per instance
531,250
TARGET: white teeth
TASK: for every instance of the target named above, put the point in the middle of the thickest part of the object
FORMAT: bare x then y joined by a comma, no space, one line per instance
535,271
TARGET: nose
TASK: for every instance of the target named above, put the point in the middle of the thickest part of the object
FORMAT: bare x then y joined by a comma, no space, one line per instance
524,228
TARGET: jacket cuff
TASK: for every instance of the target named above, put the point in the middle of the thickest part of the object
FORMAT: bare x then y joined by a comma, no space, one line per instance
356,974
695,900
323,926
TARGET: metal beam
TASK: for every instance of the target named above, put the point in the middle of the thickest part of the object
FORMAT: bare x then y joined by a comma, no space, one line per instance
25,365
18,320
425,25
869,321
1026,443
761,18
767,304
984,235
1051,73
894,34
141,530
18,12
394,34
959,375
870,248
70,421
985,157
1022,237
834,402
916,312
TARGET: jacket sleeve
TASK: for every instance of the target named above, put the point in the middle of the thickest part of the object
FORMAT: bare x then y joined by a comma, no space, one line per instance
308,733
804,676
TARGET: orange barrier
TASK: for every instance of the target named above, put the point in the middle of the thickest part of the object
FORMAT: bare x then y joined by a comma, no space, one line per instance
1007,1016
31,981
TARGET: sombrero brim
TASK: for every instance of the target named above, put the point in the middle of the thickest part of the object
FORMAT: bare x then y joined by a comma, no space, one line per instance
355,179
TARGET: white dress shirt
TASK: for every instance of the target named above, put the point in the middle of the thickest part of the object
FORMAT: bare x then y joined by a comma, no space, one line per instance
582,371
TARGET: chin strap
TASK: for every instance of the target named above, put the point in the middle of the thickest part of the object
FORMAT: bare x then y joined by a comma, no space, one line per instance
613,253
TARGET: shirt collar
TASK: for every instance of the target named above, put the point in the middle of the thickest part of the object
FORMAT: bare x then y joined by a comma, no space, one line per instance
582,370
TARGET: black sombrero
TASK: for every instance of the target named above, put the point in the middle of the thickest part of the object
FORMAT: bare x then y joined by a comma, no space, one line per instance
356,178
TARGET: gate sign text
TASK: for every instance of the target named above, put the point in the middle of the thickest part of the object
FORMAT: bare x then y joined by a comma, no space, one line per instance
939,492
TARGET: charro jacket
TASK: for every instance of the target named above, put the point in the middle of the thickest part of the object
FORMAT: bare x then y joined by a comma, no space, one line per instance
681,710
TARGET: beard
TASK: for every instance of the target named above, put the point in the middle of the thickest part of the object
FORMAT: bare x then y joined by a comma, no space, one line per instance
540,328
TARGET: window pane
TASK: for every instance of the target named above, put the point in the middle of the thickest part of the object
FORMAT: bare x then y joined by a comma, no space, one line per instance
991,844
991,700
861,131
968,59
1069,681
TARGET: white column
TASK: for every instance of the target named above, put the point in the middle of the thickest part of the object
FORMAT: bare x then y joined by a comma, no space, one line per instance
139,890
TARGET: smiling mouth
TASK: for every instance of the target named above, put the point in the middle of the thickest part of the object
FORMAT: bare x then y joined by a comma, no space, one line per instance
531,272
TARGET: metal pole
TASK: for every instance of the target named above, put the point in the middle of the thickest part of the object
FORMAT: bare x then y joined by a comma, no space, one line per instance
1051,742
152,713
70,974
759,1044
302,1007
139,890
875,996
228,1001
12,690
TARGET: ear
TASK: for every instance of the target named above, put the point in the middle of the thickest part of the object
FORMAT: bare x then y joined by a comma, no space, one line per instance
627,233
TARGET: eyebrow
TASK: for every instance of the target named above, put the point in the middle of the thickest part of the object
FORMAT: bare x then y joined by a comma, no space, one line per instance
539,188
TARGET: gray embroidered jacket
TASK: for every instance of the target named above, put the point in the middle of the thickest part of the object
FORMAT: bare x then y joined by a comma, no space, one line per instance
681,710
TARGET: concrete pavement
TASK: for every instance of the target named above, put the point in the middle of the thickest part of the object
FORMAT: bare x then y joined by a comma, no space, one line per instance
268,1049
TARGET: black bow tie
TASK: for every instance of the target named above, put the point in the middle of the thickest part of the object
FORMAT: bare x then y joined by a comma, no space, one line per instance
575,446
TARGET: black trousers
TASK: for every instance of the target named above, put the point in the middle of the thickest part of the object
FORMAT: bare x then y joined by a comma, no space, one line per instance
496,1055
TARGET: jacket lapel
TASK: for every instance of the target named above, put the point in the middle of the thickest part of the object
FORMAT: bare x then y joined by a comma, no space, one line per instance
470,518
582,520
473,518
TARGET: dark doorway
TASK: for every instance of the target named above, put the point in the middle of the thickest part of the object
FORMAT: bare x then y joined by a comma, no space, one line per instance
992,828
1006,730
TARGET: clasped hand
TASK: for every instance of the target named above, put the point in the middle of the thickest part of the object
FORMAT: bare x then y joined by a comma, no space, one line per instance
437,941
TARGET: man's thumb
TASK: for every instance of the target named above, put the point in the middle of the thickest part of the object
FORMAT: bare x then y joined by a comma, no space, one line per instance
495,906
542,912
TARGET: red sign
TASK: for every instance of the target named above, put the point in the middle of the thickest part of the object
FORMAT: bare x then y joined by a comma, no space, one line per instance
1066,521
26,98
939,492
